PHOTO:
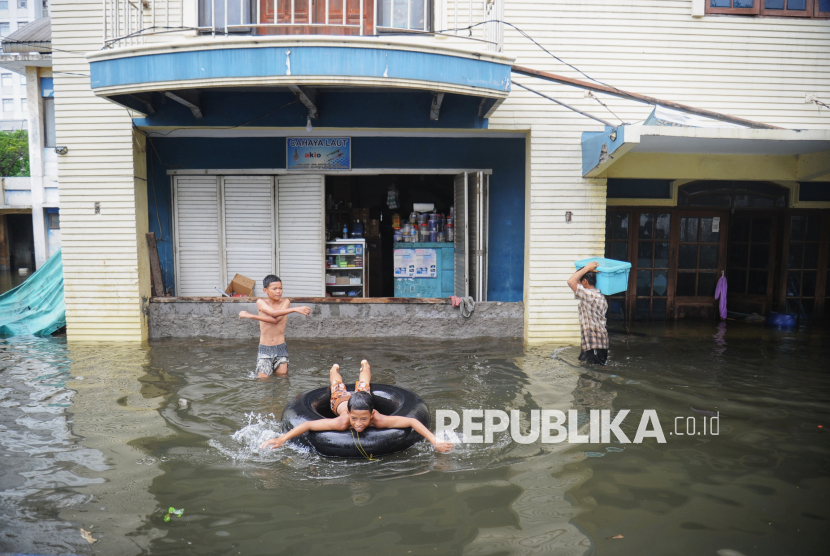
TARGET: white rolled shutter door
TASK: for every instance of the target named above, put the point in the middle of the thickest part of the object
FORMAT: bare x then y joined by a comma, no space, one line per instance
300,235
198,236
250,227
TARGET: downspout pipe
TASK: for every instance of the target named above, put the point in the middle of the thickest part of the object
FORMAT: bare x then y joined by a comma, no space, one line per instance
639,98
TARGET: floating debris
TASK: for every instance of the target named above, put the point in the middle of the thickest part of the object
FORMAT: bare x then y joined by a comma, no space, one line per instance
173,511
88,536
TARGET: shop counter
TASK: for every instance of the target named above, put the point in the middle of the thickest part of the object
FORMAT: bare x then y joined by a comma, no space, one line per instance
424,269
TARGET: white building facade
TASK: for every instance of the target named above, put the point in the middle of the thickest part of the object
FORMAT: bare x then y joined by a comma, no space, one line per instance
26,55
15,15
176,103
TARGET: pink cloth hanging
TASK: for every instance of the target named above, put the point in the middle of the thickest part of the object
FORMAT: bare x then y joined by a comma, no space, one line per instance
720,293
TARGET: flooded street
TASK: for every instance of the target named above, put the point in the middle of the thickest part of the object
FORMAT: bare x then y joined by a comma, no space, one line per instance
95,437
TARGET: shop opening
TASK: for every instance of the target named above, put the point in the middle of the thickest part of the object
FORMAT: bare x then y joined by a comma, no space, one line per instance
348,235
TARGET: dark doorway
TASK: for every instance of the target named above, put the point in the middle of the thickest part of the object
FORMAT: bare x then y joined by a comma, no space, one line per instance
753,240
21,242
348,195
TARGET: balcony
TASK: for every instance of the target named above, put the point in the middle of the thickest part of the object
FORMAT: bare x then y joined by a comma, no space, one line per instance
157,50
132,22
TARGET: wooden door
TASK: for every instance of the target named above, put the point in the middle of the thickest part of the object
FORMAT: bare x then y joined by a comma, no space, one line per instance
618,238
803,271
753,243
651,263
699,259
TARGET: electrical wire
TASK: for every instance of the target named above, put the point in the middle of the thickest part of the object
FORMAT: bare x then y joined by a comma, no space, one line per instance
569,107
596,98
140,32
534,41
39,43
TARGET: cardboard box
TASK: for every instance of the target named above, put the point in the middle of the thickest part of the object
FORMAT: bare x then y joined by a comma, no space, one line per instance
342,281
240,286
361,214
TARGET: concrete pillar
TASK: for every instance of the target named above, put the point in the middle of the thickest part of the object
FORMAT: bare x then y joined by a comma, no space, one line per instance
35,122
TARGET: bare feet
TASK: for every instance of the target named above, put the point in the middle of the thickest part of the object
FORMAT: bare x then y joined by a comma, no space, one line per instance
334,374
365,372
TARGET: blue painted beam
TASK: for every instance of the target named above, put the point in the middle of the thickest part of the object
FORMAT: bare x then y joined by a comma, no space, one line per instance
594,142
325,62
400,109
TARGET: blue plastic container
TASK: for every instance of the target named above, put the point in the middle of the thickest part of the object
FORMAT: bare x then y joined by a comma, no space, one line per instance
781,320
612,276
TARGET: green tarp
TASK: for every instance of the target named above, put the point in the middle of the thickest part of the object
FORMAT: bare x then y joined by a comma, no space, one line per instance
35,307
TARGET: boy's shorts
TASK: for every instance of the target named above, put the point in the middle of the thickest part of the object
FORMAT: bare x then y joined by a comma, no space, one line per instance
339,394
269,358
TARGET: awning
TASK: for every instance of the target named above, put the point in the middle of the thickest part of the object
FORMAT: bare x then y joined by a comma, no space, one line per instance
34,37
665,148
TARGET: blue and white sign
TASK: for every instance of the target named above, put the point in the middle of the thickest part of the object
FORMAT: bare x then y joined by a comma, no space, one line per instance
318,153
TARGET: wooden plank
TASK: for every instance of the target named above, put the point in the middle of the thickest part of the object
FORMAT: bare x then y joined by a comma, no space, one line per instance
350,300
157,283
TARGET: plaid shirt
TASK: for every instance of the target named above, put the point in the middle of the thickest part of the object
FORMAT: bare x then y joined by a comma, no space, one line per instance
592,309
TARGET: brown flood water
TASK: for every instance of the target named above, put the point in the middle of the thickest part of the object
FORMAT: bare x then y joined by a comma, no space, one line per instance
93,437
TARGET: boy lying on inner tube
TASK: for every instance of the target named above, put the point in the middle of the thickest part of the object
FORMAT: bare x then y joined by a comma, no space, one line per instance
356,411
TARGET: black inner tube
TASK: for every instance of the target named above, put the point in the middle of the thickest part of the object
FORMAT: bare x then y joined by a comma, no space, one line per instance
389,400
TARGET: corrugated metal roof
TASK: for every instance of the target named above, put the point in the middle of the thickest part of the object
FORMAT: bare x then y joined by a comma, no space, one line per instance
34,37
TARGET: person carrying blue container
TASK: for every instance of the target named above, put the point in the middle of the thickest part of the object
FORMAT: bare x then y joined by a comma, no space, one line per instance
592,310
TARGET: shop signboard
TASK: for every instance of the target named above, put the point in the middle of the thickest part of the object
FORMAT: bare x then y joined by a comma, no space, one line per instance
318,153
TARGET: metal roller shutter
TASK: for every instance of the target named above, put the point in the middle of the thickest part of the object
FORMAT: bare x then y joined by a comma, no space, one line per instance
300,242
249,227
197,223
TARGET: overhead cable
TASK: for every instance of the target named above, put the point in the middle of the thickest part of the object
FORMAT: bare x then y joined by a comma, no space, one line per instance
568,106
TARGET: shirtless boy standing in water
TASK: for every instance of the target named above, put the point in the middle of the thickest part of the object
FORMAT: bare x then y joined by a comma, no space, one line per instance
272,312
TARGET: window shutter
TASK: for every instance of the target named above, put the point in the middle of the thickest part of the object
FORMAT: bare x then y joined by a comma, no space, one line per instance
197,231
249,227
300,235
